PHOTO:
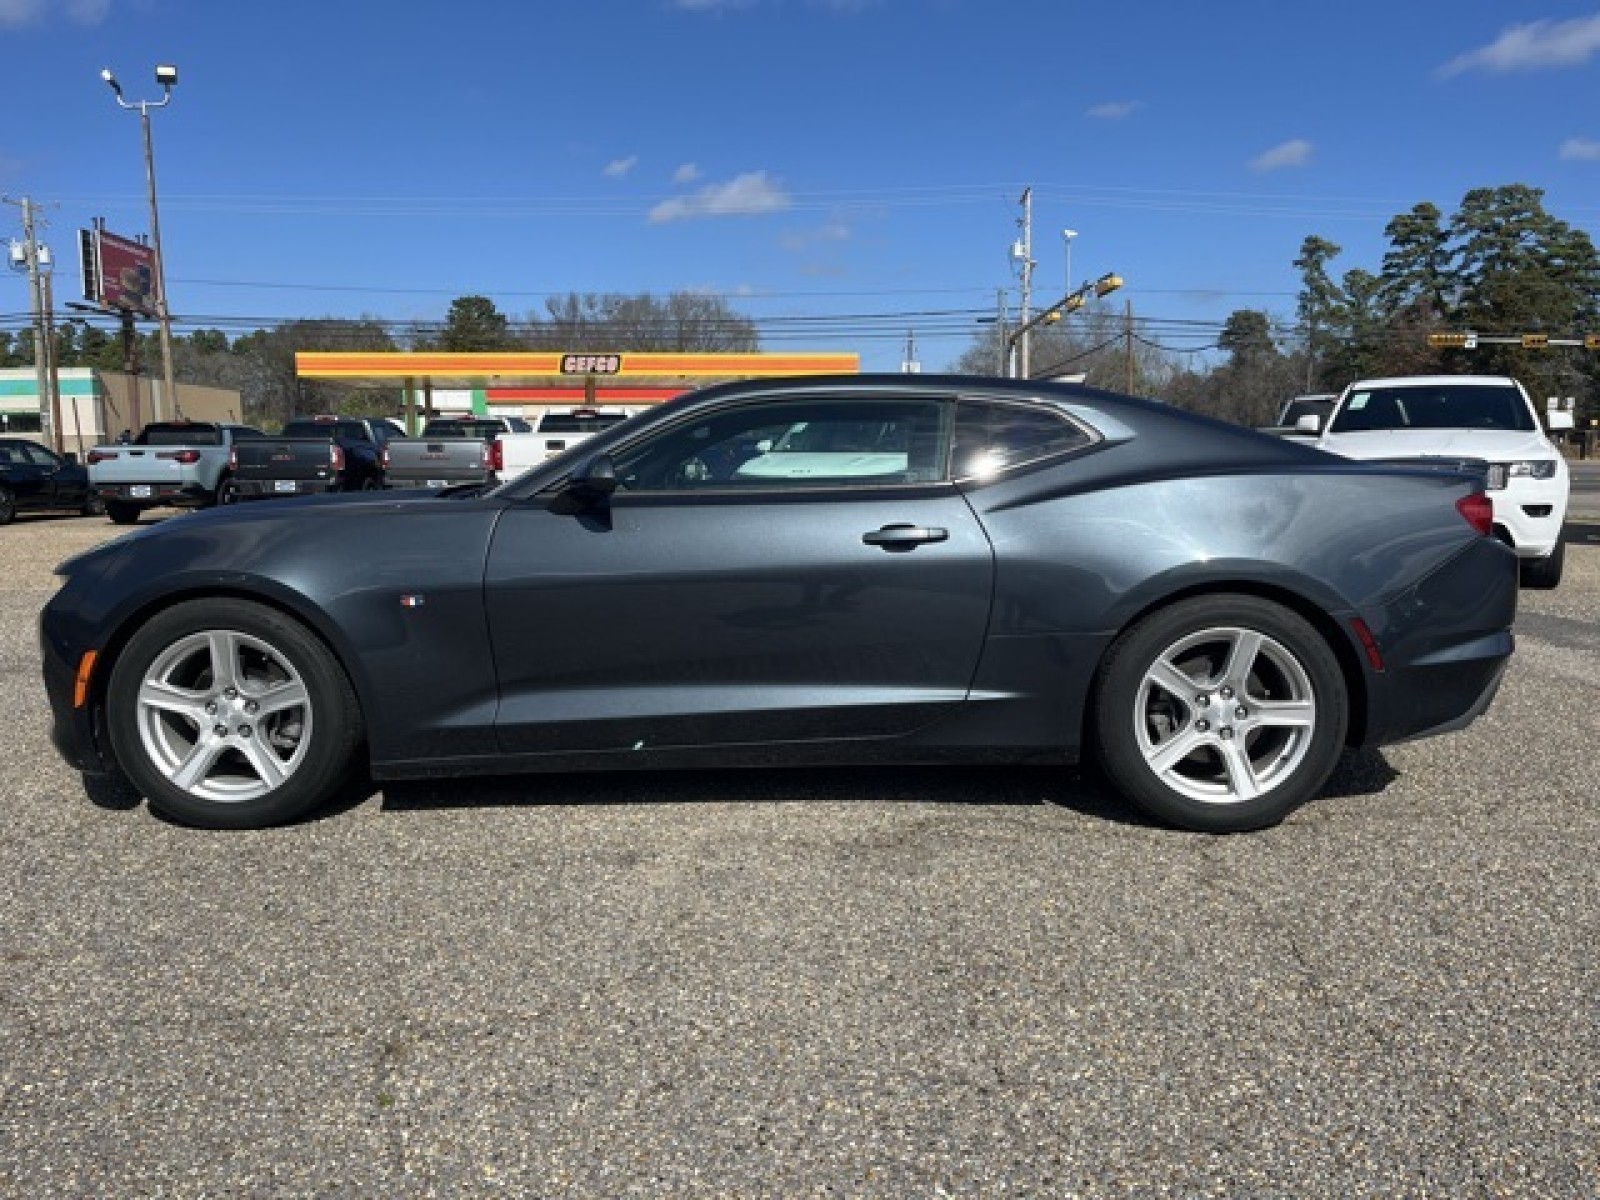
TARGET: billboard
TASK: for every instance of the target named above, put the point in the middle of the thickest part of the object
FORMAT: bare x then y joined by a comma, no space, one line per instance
118,272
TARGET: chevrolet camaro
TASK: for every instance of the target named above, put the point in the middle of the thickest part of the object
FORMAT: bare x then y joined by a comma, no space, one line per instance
864,569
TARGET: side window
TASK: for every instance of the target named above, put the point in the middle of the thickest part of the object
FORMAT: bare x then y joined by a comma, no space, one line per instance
40,457
793,443
991,436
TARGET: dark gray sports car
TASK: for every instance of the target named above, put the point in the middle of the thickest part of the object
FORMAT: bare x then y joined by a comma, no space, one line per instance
873,569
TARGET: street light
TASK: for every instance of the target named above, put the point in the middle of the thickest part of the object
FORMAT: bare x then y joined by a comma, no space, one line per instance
1066,236
166,77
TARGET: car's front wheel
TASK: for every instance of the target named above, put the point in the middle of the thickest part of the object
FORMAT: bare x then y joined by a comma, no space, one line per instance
229,715
1220,713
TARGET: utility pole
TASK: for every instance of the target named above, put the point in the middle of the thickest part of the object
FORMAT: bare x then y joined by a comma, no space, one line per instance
30,262
1023,252
1127,329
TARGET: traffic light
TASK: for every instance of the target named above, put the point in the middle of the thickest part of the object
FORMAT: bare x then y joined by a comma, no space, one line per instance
1453,341
1107,284
1591,341
1073,302
1535,341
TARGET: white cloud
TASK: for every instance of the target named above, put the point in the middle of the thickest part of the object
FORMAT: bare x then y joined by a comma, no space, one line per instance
617,168
20,12
16,13
1581,149
687,173
832,230
1115,110
747,195
1530,47
1294,153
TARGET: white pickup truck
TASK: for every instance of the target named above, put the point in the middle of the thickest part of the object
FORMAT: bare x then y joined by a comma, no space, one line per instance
1484,419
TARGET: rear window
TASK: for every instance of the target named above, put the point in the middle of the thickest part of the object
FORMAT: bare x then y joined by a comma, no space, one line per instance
186,433
579,422
487,430
350,430
1434,406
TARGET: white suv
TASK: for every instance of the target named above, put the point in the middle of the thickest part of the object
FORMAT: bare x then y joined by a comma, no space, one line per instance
1484,417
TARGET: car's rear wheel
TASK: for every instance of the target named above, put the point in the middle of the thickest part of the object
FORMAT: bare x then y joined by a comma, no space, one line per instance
94,505
227,491
1220,713
229,715
1545,573
8,506
121,513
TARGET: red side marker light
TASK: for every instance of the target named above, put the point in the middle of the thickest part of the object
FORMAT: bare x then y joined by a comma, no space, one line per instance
1368,643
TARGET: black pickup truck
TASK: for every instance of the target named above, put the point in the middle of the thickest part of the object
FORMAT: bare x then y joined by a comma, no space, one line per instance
314,454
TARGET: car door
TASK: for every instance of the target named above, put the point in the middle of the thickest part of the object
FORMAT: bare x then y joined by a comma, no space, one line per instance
778,570
60,486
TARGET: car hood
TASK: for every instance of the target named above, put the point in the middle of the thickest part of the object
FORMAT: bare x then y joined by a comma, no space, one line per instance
1490,445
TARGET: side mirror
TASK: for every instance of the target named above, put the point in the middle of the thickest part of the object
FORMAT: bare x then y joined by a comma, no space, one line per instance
1558,419
595,478
1310,423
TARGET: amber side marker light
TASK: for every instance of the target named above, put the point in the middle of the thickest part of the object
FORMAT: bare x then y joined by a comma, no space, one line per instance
80,686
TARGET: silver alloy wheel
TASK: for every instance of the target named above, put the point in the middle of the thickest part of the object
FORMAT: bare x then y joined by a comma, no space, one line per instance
224,716
1225,715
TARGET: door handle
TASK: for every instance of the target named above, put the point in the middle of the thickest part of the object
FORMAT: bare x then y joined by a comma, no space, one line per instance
904,537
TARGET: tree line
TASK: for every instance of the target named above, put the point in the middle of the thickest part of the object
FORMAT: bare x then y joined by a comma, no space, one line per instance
260,364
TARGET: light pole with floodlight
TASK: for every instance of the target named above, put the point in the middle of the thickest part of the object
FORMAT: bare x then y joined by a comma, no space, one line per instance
166,76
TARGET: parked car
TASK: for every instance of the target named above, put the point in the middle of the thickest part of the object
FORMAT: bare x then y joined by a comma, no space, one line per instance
1318,405
868,569
314,454
33,478
185,464
1486,420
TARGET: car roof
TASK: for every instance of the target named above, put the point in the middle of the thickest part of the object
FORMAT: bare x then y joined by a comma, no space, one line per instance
1436,381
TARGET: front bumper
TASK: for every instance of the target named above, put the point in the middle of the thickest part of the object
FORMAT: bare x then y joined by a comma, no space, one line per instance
1530,512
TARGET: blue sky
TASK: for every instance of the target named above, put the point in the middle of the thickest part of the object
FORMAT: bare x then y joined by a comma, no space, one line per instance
843,171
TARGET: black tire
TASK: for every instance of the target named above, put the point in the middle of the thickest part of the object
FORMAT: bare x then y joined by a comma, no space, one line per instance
372,483
122,513
8,506
284,730
1254,675
94,505
1542,574
227,491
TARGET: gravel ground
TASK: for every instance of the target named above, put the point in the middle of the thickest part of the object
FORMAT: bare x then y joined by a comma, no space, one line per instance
858,983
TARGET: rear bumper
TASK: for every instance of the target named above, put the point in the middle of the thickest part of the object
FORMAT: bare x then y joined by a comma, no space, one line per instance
1445,644
150,495
266,489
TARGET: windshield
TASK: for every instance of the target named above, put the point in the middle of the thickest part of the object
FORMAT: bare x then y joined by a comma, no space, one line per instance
1434,406
179,435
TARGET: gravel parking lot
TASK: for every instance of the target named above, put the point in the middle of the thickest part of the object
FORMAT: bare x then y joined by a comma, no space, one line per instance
859,983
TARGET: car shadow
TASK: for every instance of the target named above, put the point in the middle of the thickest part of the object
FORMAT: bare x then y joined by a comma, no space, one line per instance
1081,790
1582,533
1016,786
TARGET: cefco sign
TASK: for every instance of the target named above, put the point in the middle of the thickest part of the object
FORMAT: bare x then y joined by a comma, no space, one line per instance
118,272
591,364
